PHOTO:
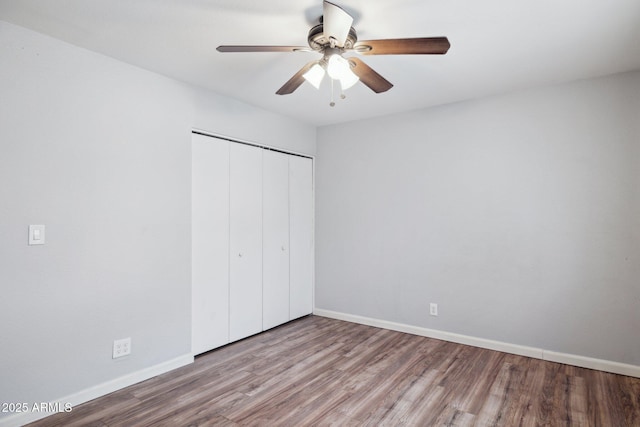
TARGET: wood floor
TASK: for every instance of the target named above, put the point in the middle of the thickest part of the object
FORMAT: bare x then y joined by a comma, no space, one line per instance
318,371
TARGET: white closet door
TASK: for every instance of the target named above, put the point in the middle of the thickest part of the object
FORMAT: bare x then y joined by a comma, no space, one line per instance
209,243
245,259
275,244
301,236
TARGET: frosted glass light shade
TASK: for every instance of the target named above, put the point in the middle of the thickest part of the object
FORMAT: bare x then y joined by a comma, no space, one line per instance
338,68
349,80
314,75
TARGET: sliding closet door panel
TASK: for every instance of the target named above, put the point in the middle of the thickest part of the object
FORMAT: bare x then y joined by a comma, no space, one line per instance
301,235
275,244
245,260
209,243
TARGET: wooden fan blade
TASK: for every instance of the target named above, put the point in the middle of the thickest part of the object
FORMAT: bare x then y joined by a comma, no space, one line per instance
336,23
263,49
369,77
295,81
414,46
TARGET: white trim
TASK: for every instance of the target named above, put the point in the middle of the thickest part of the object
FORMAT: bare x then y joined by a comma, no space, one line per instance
536,353
591,363
99,390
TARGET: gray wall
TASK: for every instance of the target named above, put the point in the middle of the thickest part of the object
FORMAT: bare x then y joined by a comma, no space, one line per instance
519,215
99,152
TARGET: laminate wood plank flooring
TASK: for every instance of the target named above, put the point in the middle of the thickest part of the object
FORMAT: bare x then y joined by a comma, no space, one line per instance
320,372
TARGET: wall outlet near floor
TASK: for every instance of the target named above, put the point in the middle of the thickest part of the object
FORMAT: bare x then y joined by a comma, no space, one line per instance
121,347
433,309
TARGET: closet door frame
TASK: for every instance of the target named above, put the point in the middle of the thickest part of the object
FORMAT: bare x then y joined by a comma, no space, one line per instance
253,325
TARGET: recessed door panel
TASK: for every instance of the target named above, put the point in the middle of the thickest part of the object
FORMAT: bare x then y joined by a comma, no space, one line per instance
245,258
275,245
209,243
301,236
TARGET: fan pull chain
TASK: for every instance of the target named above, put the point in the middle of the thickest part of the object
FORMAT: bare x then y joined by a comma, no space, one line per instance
332,103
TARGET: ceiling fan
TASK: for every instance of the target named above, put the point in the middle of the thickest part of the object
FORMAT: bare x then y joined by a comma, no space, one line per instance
335,36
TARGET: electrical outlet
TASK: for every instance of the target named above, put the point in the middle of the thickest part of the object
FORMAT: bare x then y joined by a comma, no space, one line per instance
121,347
433,309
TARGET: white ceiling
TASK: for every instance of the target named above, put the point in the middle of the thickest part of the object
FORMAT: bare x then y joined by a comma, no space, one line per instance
496,45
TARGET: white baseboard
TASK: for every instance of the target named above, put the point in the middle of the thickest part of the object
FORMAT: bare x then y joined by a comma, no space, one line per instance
537,353
99,390
591,363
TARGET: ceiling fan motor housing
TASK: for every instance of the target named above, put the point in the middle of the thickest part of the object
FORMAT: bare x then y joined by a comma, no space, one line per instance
318,41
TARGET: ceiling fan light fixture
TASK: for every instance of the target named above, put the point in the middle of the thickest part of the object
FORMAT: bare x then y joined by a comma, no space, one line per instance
315,75
339,68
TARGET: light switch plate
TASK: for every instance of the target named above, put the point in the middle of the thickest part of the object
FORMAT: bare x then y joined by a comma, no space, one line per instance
36,235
